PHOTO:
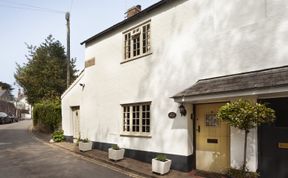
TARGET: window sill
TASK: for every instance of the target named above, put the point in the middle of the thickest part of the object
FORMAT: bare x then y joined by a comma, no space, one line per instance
137,57
137,136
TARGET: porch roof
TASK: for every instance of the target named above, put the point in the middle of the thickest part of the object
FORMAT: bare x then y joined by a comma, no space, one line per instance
243,82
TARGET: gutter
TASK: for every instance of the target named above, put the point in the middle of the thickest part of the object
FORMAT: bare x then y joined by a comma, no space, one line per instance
128,20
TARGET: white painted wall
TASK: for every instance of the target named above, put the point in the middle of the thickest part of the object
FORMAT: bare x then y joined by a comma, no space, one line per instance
237,148
70,98
190,40
23,104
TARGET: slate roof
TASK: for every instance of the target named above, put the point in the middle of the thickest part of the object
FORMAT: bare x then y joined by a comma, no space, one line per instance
135,17
261,79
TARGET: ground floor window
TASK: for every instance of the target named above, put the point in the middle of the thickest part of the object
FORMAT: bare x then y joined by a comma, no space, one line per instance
136,118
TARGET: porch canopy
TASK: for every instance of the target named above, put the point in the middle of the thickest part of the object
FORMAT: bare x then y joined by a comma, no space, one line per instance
265,83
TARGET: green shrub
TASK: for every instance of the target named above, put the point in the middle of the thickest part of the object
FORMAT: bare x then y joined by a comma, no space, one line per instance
115,147
86,140
161,157
47,115
58,136
241,173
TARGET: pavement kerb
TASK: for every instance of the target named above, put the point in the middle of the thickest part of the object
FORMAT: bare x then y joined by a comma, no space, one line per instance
100,162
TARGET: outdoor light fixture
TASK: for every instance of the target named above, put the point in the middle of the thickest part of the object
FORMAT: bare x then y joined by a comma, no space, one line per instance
182,110
82,85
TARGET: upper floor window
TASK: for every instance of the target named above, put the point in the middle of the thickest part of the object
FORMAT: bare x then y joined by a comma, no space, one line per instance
137,41
136,119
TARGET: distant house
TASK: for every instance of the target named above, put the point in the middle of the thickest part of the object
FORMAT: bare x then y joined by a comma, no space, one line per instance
7,107
6,102
24,109
142,73
5,95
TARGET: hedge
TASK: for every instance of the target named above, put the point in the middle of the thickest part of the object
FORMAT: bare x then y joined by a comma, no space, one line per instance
47,115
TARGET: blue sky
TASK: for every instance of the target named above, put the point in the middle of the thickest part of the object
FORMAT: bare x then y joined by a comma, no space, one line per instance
21,22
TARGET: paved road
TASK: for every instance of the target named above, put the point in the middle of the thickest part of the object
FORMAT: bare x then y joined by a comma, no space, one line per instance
21,156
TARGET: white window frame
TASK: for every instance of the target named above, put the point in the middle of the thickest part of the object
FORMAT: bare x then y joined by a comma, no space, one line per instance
135,31
139,133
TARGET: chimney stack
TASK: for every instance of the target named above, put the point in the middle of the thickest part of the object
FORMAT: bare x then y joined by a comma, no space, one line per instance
133,11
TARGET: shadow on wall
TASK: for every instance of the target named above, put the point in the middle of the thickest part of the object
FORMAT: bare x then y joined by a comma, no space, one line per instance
238,145
210,44
217,162
206,45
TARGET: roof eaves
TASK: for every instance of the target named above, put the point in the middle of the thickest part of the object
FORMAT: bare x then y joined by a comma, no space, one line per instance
201,81
128,20
243,73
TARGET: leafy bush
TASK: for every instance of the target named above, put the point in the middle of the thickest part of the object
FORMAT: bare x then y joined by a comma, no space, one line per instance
115,147
161,157
245,115
47,115
58,136
241,173
86,140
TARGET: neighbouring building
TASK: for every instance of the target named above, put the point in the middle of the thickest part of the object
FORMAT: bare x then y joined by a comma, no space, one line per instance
24,109
6,102
5,95
192,55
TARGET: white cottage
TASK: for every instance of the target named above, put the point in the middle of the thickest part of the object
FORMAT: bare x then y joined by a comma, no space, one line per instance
136,73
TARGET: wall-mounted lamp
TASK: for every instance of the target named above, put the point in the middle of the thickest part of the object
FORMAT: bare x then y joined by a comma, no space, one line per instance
182,110
82,85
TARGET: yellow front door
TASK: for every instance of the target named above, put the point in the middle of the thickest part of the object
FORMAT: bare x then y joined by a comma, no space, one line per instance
212,139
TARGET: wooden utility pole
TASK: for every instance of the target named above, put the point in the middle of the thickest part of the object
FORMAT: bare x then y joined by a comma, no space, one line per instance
67,17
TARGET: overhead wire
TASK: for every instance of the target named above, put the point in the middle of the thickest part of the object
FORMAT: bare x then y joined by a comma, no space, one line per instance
23,6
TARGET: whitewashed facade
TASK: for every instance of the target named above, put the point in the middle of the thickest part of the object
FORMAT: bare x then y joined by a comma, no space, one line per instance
190,40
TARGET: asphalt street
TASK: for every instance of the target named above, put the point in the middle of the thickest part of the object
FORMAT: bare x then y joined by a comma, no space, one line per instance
22,156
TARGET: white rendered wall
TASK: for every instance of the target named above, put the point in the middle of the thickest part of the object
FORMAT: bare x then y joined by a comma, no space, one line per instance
72,97
237,148
190,40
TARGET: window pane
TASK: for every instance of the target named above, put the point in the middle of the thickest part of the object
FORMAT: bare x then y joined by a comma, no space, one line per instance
137,111
146,38
147,129
137,41
127,46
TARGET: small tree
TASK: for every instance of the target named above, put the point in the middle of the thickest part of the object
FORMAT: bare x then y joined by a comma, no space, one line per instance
245,115
44,74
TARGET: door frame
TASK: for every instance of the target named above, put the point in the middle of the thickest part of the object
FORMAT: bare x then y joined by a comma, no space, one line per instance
195,132
73,109
260,137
